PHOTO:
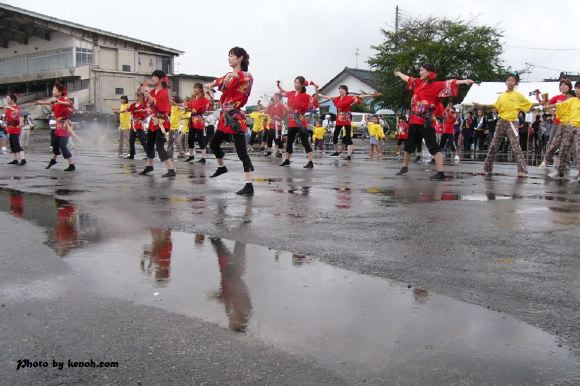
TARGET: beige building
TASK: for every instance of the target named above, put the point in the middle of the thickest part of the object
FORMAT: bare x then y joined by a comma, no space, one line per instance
97,66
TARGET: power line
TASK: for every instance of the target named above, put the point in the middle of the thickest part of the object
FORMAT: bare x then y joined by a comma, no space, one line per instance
543,48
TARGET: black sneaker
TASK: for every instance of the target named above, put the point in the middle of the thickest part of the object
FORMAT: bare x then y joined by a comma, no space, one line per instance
432,162
404,170
247,190
439,176
71,168
219,171
170,173
309,165
148,169
130,157
51,163
22,162
335,154
267,154
348,158
285,163
417,159
202,161
13,162
189,159
145,159
278,155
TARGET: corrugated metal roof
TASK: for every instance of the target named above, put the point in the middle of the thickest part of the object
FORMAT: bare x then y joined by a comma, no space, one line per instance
35,15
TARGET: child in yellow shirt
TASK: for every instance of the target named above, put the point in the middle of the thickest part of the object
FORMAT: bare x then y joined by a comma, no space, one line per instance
174,122
124,126
377,135
318,136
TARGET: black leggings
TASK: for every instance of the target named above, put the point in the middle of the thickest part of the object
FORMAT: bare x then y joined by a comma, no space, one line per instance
196,135
347,138
447,139
14,140
302,134
240,144
156,141
59,146
133,135
271,137
418,132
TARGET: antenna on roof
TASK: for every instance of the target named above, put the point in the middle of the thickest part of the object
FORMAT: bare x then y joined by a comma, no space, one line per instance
356,55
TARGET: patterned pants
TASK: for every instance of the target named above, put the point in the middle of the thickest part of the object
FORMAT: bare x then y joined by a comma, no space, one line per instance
503,129
554,144
568,134
174,143
123,142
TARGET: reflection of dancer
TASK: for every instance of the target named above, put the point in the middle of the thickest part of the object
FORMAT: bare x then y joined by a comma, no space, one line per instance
427,94
234,293
159,254
17,203
66,231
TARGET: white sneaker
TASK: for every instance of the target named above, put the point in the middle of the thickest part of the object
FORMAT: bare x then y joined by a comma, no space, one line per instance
542,165
456,159
556,175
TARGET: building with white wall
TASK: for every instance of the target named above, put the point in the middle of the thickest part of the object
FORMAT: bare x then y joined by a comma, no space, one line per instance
357,81
97,66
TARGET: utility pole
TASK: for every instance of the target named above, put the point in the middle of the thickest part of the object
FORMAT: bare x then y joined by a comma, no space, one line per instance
356,55
396,26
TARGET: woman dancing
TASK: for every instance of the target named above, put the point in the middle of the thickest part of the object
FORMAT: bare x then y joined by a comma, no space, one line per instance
13,129
344,103
427,94
235,87
197,105
299,103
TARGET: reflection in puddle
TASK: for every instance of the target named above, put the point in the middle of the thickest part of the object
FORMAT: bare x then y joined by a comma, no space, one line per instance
360,326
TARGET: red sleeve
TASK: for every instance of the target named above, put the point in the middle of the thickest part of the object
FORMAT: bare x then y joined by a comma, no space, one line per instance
219,81
302,102
356,100
447,88
334,100
284,93
413,83
131,107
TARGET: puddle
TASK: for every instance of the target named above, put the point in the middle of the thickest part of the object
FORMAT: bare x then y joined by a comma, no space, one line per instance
68,192
360,326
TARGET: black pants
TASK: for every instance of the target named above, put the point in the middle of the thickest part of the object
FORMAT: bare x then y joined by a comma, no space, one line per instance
14,141
156,141
302,134
447,140
59,146
418,132
479,140
347,138
133,135
240,144
195,135
467,142
271,138
209,131
255,137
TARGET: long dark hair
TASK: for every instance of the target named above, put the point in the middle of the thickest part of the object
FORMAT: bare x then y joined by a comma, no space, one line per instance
567,82
200,87
431,68
13,97
60,87
344,87
302,81
239,52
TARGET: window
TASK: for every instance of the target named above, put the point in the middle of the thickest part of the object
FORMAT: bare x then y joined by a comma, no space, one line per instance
84,56
166,65
126,68
119,91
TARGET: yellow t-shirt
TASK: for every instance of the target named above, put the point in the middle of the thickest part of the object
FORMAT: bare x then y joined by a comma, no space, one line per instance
124,117
510,103
318,132
175,118
185,115
259,118
376,130
569,112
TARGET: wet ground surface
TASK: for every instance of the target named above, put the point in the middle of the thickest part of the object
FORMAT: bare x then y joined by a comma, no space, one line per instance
342,274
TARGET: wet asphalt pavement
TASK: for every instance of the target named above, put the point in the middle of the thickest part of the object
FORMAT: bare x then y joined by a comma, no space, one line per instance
344,274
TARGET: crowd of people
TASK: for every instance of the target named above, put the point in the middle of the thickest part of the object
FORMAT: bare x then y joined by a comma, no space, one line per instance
167,127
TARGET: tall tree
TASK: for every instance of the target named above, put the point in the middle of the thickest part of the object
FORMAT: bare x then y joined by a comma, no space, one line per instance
457,48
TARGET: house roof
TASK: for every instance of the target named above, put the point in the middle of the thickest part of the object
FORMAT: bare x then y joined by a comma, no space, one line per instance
365,76
19,28
194,76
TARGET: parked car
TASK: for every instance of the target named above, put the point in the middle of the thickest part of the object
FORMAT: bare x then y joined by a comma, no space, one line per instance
359,125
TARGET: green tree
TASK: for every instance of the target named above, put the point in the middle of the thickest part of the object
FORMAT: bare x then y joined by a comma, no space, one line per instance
457,48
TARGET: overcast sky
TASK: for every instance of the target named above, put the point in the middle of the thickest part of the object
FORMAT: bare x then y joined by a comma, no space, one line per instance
317,38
